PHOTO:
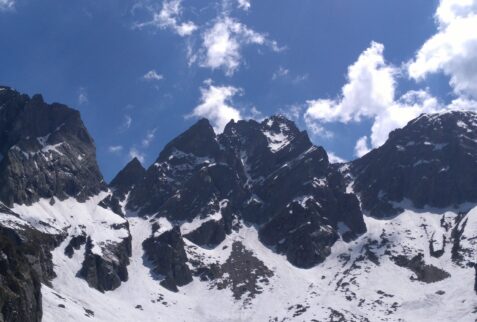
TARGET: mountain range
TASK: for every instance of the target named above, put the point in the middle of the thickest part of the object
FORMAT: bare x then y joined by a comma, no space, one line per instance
252,224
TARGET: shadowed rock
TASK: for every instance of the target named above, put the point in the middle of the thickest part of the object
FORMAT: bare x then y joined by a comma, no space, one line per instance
46,151
432,161
168,258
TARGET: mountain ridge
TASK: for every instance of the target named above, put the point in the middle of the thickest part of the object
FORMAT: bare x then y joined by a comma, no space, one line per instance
252,224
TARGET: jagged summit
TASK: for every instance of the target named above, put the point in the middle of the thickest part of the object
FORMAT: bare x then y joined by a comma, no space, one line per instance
432,161
264,173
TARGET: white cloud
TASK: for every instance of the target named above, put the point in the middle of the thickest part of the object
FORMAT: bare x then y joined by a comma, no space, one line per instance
223,42
215,105
361,148
370,94
152,75
170,17
370,89
115,148
82,96
135,153
453,49
244,4
333,158
7,5
146,142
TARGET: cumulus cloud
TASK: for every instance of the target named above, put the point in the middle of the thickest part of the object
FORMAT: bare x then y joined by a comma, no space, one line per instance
135,153
453,49
170,17
369,89
370,94
115,148
7,5
215,105
152,75
223,42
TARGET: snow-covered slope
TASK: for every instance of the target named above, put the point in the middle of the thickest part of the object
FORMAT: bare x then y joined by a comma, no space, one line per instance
359,281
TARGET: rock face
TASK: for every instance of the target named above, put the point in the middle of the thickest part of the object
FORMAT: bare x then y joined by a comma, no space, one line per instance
268,174
25,263
45,151
210,233
20,290
431,161
168,258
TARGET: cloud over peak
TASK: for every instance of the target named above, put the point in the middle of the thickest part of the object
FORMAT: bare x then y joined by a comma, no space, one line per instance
216,105
369,89
369,93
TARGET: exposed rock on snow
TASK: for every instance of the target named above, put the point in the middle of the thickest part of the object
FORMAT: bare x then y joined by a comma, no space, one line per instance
167,257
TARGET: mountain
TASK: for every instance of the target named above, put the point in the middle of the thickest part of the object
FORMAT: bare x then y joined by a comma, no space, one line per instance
252,224
50,195
430,162
267,174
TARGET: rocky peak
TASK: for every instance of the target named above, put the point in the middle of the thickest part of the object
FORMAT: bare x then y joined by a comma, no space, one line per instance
199,140
280,132
127,178
432,161
46,151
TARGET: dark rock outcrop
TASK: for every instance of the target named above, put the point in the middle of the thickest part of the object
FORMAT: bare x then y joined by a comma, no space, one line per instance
432,161
167,257
301,234
74,244
424,272
106,271
210,233
45,151
25,263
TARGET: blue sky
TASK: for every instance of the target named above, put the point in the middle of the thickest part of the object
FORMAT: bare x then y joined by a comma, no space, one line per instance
142,71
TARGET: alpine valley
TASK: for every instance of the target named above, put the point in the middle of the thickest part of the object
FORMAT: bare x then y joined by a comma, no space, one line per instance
253,224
